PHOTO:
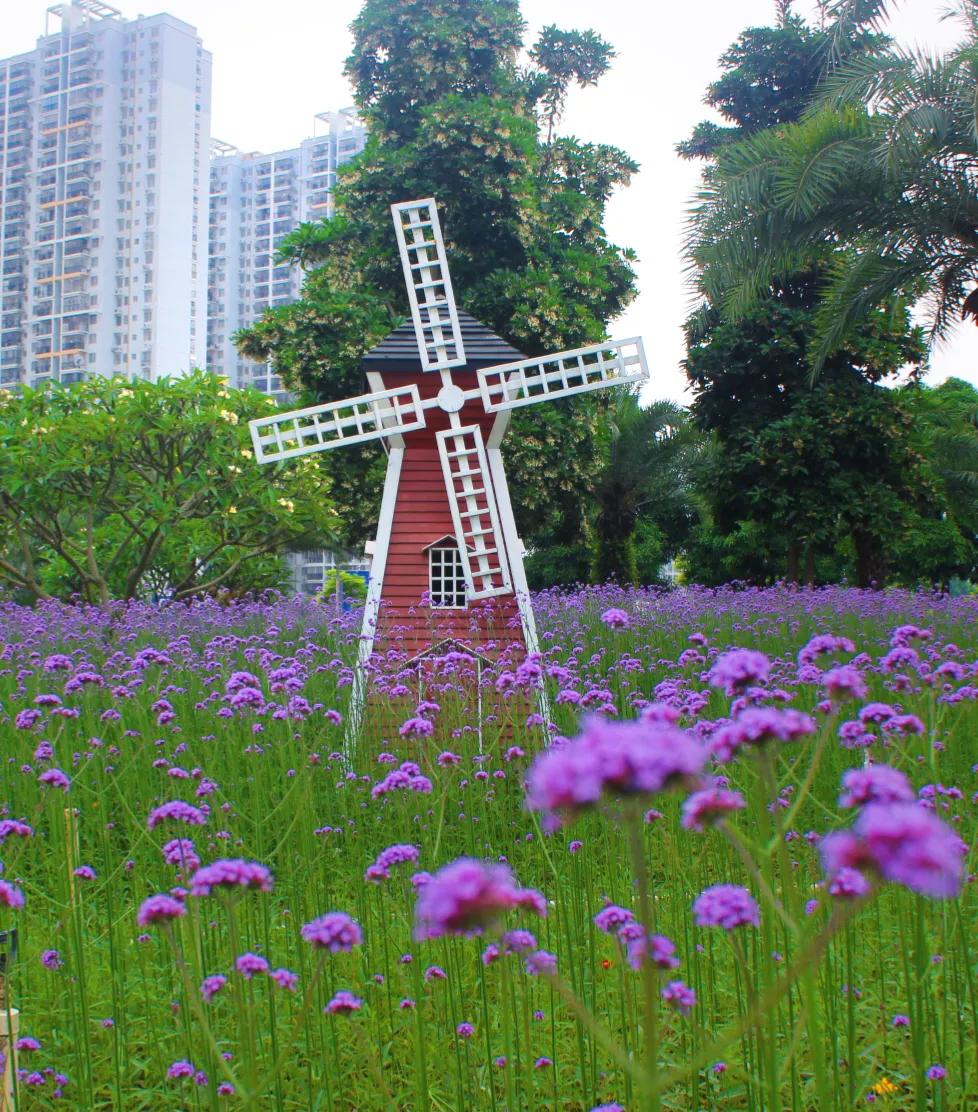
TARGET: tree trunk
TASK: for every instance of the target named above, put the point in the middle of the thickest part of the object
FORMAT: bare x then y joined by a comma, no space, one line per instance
810,566
794,557
870,559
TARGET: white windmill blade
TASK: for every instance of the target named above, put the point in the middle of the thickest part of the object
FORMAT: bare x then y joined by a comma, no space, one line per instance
598,367
429,284
472,499
352,421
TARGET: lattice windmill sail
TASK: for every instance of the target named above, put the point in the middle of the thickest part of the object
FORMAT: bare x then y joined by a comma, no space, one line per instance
451,423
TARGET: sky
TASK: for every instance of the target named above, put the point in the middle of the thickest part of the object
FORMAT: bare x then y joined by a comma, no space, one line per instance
277,64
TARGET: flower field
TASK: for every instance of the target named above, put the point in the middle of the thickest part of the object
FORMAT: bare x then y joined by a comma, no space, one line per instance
736,878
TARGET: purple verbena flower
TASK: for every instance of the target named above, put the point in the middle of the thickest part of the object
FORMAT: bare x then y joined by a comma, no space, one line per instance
709,805
211,986
540,962
875,784
466,895
626,758
159,909
230,873
248,965
904,843
335,932
343,1003
679,996
176,811
10,896
727,906
737,669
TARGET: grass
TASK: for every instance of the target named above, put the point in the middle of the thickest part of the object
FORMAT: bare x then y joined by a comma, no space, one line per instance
797,1013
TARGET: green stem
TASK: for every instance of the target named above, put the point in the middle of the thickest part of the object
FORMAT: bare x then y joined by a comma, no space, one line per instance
650,984
752,1016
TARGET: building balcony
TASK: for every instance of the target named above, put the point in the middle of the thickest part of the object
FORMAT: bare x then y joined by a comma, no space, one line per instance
77,226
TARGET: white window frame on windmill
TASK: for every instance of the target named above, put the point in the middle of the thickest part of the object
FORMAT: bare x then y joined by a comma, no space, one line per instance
441,584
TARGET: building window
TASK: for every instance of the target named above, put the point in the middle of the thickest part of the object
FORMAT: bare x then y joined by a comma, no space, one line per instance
446,582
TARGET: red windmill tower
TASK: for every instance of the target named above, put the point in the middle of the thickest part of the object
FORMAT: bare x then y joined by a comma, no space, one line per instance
447,562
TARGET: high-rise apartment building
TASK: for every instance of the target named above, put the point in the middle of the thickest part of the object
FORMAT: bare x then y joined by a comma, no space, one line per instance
104,133
255,201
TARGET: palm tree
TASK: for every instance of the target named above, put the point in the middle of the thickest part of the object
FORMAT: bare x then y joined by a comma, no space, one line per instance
879,182
648,457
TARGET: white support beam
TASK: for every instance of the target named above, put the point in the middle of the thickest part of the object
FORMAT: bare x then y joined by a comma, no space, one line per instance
375,589
514,550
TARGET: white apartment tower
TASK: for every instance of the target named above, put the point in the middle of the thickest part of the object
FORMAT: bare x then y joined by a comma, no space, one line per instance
104,130
255,201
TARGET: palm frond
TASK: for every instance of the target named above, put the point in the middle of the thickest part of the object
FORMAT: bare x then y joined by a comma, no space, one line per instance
858,283
862,79
850,16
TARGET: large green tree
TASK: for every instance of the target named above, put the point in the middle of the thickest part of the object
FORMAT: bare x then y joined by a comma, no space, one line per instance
114,489
454,111
883,167
802,468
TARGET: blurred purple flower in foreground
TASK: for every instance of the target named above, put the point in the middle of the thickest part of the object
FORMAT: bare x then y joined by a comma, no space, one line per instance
469,895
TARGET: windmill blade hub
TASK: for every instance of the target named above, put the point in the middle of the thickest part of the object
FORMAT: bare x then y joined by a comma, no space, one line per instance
451,398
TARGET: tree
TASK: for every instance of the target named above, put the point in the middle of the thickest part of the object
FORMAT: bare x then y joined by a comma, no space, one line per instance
453,114
800,467
944,543
883,169
810,464
112,488
643,492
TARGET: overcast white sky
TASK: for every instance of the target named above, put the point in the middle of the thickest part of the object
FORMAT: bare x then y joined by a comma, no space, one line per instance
278,62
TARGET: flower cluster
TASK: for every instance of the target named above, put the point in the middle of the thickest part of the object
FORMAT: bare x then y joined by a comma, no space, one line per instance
903,843
467,896
626,758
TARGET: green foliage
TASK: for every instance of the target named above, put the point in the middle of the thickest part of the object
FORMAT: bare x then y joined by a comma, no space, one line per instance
339,584
412,53
748,551
558,564
652,549
113,489
769,75
453,115
811,478
944,546
645,479
882,169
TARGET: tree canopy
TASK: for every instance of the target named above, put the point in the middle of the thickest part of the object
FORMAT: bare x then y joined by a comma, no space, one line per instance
879,175
114,488
807,470
454,113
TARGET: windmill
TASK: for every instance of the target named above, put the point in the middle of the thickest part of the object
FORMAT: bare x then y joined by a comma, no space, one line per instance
447,559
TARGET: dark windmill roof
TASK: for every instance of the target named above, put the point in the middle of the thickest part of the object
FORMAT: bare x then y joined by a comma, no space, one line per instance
398,351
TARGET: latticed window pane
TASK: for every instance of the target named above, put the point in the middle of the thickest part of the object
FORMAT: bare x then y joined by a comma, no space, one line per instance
446,580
